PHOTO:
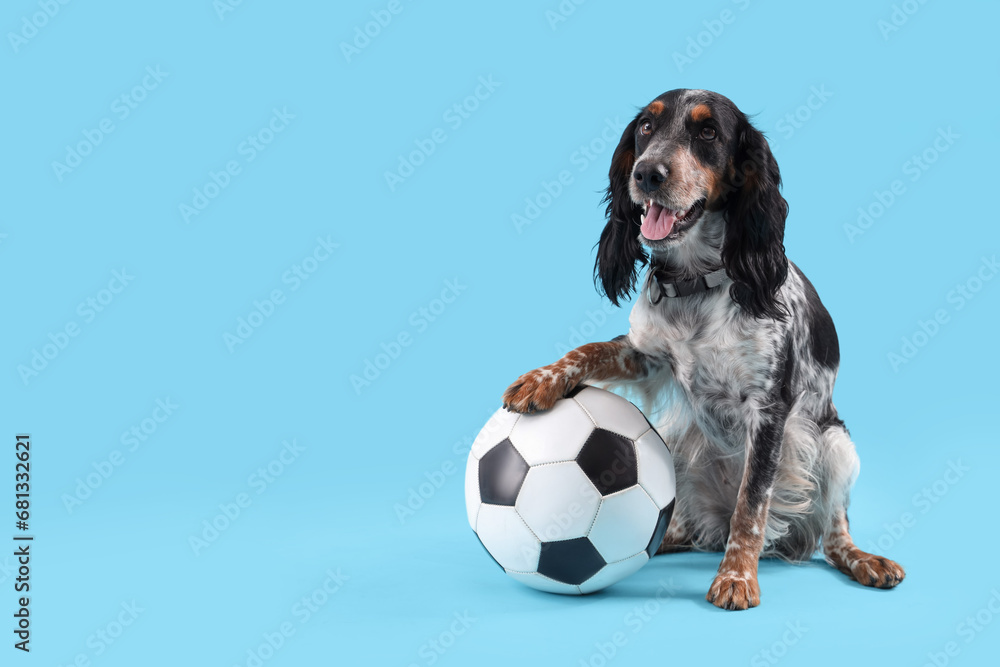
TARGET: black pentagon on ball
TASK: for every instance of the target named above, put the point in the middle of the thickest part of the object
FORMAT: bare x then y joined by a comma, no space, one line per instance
501,472
662,522
570,561
608,459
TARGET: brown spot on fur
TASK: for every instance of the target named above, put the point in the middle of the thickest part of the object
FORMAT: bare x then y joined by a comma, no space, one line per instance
723,186
689,179
717,190
621,165
700,113
720,186
656,107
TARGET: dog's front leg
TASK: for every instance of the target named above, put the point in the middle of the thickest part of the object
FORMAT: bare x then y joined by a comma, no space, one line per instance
542,387
735,585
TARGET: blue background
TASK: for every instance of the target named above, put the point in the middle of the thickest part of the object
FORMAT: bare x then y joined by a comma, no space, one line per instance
524,293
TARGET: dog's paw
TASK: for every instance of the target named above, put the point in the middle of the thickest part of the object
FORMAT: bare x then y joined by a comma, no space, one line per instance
734,592
537,390
876,571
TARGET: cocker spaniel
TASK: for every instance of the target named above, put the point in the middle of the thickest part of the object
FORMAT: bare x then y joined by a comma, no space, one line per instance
729,347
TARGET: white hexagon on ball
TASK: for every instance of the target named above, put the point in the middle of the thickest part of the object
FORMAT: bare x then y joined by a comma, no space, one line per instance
472,500
624,524
507,538
558,501
496,429
543,583
607,410
656,469
554,435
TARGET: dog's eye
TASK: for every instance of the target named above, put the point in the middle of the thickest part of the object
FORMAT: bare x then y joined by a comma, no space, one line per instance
707,133
646,129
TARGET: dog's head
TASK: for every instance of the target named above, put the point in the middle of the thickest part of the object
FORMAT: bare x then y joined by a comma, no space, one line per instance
696,184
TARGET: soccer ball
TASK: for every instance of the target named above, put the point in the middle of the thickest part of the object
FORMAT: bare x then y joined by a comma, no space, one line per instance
573,499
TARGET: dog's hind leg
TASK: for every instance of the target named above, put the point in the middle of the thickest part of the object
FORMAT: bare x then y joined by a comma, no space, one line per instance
838,547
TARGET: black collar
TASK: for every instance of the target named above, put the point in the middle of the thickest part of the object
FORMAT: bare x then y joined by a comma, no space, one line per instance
662,284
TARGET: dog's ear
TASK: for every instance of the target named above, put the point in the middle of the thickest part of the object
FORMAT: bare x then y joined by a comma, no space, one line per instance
753,252
619,250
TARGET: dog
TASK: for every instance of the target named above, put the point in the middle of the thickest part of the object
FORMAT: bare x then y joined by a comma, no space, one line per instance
728,343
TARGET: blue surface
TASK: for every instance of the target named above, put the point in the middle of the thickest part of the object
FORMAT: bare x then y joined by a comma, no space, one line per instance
287,142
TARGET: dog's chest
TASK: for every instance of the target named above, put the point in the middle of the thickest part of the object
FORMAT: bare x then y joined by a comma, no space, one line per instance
720,358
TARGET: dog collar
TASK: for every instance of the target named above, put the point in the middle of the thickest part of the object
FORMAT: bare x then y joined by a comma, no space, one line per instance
659,287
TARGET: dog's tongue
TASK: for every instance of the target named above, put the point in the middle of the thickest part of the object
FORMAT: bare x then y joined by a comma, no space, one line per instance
658,222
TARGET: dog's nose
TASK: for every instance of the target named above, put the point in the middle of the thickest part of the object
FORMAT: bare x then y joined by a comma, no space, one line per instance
649,176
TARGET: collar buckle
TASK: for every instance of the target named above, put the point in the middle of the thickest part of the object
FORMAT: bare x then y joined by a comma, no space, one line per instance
681,288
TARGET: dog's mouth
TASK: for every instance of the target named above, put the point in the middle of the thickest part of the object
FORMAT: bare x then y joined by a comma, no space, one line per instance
660,222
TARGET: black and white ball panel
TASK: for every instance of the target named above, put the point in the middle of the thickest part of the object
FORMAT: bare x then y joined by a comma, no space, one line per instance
570,561
496,430
609,461
662,522
501,472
